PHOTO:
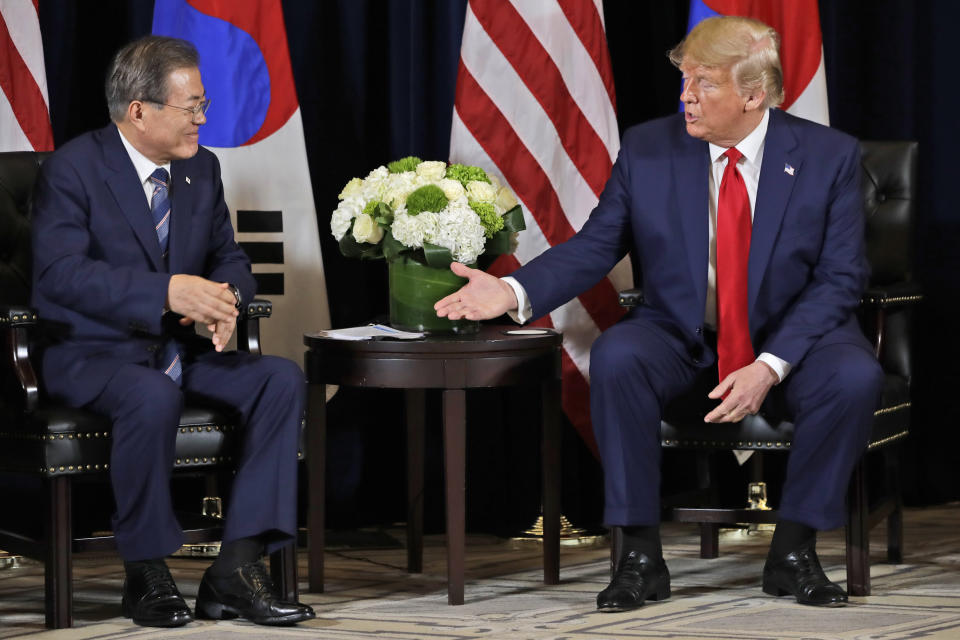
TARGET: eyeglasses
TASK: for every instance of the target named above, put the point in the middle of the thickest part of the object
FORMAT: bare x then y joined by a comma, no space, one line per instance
200,108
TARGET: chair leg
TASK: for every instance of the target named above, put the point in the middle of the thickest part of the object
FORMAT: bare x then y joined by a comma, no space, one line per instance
283,570
709,532
895,519
58,568
858,533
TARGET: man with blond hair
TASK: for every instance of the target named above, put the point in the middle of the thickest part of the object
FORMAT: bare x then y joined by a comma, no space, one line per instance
746,224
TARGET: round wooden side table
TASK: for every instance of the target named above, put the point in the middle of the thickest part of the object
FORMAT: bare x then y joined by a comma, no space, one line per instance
497,356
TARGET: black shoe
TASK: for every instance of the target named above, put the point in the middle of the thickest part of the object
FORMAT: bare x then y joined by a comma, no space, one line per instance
799,574
249,593
636,579
151,598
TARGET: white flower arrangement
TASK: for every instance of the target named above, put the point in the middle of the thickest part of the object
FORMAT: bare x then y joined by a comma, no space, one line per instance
429,210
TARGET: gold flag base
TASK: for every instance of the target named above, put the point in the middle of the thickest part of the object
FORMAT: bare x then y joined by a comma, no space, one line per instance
570,536
9,561
756,501
212,508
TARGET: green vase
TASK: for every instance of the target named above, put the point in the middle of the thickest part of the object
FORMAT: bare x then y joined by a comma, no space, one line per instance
414,289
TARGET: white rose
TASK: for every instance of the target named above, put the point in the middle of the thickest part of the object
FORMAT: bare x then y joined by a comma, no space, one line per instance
481,191
366,229
451,188
495,181
352,188
432,170
505,199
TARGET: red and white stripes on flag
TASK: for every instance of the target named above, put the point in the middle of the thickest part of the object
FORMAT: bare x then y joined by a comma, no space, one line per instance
535,104
24,107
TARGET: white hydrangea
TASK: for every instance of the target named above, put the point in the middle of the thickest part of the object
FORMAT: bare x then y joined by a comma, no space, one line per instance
398,186
411,231
459,229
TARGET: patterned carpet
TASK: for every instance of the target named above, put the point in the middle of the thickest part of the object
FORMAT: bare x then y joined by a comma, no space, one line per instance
369,594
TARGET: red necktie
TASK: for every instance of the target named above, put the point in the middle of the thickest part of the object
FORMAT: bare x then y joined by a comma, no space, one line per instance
734,349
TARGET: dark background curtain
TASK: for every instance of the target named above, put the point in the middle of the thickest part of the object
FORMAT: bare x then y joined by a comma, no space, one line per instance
376,82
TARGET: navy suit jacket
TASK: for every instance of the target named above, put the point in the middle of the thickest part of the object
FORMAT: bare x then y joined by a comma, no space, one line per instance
98,274
807,265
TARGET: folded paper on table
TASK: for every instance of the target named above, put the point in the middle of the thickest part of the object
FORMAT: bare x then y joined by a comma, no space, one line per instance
369,332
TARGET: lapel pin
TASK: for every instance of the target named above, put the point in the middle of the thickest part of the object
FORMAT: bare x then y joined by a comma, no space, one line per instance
187,178
787,169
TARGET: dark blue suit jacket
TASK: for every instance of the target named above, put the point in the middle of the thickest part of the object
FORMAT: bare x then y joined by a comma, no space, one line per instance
97,268
807,265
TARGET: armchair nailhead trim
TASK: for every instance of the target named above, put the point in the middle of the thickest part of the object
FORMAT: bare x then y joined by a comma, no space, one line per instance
895,299
883,441
896,407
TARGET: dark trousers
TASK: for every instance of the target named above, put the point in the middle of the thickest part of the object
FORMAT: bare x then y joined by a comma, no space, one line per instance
637,368
268,395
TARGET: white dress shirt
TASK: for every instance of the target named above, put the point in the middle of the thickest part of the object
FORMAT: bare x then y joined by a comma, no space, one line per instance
144,167
749,166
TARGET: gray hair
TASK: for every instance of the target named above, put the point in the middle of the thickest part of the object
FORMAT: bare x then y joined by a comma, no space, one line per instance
140,71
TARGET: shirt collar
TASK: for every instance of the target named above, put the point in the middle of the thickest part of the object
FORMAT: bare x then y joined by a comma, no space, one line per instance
141,163
749,146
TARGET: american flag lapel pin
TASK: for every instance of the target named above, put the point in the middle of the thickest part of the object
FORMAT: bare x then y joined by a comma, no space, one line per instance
187,178
787,169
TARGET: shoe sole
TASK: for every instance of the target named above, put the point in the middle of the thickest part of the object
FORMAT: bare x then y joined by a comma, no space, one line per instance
218,611
164,624
662,593
774,590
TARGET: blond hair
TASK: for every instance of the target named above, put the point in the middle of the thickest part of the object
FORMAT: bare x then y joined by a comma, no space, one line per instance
748,47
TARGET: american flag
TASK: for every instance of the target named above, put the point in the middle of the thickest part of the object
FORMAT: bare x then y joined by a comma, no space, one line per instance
535,103
24,107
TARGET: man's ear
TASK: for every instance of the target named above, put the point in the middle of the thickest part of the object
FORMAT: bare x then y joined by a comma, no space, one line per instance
135,113
755,101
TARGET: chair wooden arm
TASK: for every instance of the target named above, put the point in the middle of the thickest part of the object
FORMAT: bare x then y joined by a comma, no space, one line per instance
20,379
248,324
630,298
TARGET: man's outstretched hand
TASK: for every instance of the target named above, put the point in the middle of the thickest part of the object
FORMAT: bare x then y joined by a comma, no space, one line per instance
210,303
484,297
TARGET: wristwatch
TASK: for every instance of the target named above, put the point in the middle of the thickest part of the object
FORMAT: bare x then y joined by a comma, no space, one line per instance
236,295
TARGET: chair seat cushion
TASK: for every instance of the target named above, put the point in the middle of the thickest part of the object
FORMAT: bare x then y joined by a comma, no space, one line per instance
761,432
58,440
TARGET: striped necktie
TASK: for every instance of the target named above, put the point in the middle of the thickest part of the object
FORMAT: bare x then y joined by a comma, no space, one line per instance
160,209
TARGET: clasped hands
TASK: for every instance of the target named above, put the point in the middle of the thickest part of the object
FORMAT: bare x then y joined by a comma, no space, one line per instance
209,303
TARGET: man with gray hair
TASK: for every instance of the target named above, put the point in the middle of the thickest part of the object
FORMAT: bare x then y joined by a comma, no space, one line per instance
746,224
132,245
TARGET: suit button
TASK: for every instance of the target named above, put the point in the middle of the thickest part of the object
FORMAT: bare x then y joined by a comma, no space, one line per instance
699,331
697,361
153,348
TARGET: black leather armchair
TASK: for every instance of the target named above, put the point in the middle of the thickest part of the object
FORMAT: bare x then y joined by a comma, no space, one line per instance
889,191
57,444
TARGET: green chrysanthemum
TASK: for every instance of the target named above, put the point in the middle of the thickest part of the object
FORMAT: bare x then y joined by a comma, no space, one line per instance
404,164
488,217
465,173
427,198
